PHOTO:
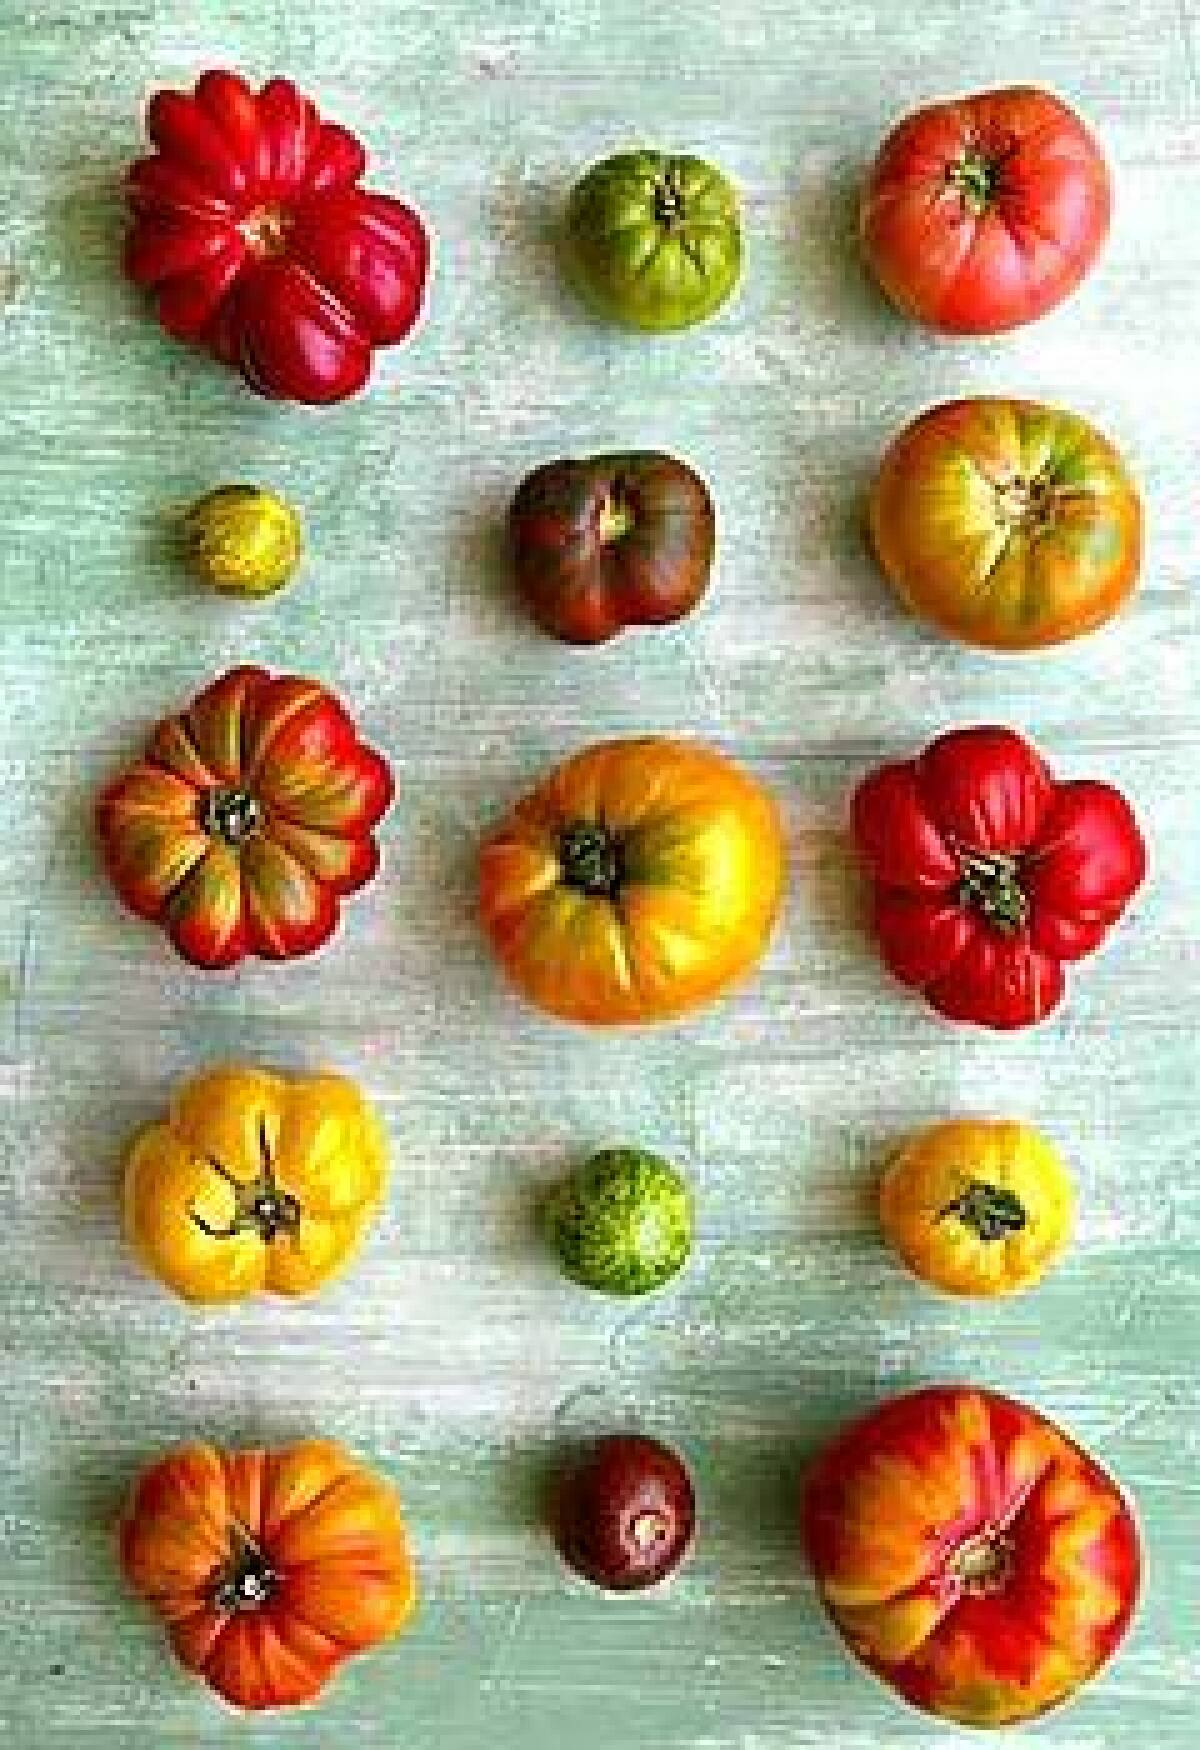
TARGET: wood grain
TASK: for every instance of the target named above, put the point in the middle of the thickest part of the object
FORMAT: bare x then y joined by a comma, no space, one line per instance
454,1356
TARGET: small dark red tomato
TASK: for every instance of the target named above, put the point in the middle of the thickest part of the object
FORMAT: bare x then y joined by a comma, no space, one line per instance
627,1515
610,542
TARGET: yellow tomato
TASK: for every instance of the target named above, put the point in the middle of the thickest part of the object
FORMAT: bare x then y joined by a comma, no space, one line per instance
243,540
254,1182
637,881
978,1206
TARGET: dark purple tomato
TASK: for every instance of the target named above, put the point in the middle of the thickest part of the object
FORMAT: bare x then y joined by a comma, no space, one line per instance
627,1514
610,542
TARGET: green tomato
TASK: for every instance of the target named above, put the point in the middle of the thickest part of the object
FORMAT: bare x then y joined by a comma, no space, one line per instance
622,1223
655,240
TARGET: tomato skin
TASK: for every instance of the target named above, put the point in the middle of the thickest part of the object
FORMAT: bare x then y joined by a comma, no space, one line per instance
977,1206
971,1554
253,234
311,1543
654,239
636,882
254,1183
249,817
1006,524
610,542
985,212
990,875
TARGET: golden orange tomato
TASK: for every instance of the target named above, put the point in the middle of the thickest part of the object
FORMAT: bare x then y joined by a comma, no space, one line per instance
269,1569
1006,523
255,1182
978,1205
971,1554
634,883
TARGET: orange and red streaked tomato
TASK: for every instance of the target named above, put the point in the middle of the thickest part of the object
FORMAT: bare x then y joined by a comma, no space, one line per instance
269,1569
971,1554
1007,524
637,881
247,819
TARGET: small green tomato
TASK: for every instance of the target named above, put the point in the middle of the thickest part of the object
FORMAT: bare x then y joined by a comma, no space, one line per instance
655,240
622,1222
242,540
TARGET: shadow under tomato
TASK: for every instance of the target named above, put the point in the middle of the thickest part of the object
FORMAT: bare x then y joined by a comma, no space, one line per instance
822,236
832,890
486,560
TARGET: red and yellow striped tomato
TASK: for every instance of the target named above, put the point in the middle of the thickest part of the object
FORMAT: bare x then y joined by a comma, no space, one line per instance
971,1554
248,817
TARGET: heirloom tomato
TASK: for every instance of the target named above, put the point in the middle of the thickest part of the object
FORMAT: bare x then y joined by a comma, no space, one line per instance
990,874
655,240
248,817
622,1222
978,1205
985,212
252,232
269,1569
971,1554
636,882
253,1182
1006,523
614,541
242,540
626,1516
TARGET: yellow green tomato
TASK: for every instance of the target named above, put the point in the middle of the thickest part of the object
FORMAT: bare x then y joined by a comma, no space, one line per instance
242,540
622,1222
655,240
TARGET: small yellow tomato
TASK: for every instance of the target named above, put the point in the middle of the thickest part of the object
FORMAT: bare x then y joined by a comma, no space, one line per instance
254,1182
978,1206
242,540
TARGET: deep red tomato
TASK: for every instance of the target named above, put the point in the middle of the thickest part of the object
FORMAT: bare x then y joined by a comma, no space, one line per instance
986,212
990,874
247,818
971,1554
252,230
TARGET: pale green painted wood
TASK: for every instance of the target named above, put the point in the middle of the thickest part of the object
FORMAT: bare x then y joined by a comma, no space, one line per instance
453,1356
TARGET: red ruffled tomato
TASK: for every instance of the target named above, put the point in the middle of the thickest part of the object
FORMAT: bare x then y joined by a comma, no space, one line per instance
248,817
986,212
974,1557
990,874
252,231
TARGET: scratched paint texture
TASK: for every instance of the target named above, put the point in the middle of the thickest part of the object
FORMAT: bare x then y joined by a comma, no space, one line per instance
453,1356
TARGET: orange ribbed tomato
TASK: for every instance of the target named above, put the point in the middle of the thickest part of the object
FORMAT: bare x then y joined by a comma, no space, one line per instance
270,1569
636,882
971,1554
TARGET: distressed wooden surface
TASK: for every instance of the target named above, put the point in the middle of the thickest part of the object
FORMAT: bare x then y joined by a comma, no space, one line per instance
453,1356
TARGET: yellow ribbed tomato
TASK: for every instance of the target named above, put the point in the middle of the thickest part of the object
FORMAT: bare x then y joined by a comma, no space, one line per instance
978,1206
254,1182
